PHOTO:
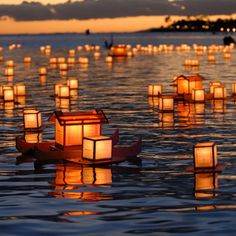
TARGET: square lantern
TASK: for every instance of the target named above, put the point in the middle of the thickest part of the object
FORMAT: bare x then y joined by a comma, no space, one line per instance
154,89
63,91
198,95
8,94
9,71
32,119
166,103
97,148
71,127
63,66
73,83
219,92
205,184
42,71
214,84
19,90
205,155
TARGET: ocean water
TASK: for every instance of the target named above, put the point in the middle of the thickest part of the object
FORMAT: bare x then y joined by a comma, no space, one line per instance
157,197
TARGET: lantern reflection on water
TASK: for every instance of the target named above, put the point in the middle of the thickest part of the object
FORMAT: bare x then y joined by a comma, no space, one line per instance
154,89
32,119
205,155
42,71
8,94
166,119
97,148
19,89
9,71
205,185
33,137
166,103
71,127
70,178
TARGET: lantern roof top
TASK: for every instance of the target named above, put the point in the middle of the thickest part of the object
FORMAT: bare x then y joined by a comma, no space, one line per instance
194,77
80,117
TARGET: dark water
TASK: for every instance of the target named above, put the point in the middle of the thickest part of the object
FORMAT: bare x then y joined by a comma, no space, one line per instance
155,198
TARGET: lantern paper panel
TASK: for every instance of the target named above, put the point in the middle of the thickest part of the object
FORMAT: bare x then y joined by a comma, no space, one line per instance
97,148
19,90
154,89
214,84
182,86
234,88
219,92
205,155
63,91
8,94
32,118
73,83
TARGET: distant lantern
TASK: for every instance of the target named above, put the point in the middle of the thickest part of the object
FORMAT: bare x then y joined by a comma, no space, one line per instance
63,91
53,60
9,71
219,92
108,59
71,52
32,119
234,89
154,89
211,58
63,67
97,148
19,89
119,50
205,184
166,103
166,119
96,55
8,94
97,48
71,60
61,60
227,55
198,95
9,63
27,60
42,71
73,83
214,84
205,155
83,60
71,127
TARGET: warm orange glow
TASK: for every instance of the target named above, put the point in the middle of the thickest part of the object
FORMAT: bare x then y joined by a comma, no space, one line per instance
42,71
97,148
219,92
32,118
198,95
205,155
19,90
9,71
73,83
8,94
166,103
63,91
33,137
154,89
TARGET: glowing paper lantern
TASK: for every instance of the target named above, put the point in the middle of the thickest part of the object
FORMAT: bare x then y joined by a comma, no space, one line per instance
96,55
42,71
61,60
71,127
9,63
97,148
63,91
205,155
8,94
27,60
63,67
198,95
214,84
71,52
108,59
83,60
9,71
71,60
73,83
53,60
219,92
154,89
32,119
19,90
119,50
166,103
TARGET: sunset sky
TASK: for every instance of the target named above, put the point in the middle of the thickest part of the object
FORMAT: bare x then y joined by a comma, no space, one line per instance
43,16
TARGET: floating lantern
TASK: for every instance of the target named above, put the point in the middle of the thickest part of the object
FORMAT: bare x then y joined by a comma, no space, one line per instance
97,148
119,50
42,71
61,60
198,95
33,137
96,55
73,83
166,103
83,60
9,71
71,60
108,59
214,84
186,84
9,63
19,90
219,92
205,184
71,127
63,67
211,58
227,55
63,91
154,89
32,119
79,48
205,155
71,52
53,60
8,94
27,60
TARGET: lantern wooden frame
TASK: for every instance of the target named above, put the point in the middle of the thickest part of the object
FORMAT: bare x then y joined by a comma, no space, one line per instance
91,145
205,155
28,115
77,124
